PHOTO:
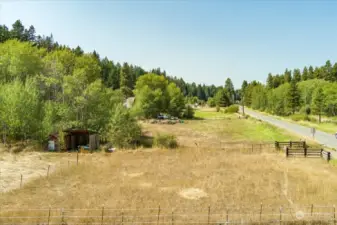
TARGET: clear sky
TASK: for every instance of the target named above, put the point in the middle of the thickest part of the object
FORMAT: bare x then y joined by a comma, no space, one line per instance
201,41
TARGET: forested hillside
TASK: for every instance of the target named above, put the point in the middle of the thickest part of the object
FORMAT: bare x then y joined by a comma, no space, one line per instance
110,72
47,87
308,91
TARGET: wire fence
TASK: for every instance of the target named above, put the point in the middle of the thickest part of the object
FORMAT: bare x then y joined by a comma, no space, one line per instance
228,215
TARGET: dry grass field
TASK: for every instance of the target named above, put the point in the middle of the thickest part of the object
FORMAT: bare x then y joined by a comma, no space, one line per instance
195,179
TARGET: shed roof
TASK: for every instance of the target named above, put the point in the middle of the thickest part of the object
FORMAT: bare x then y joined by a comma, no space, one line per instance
79,130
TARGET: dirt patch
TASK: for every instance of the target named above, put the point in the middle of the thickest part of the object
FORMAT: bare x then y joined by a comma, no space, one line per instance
192,193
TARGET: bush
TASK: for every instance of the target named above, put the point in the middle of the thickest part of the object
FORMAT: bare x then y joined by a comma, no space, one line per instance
211,102
123,128
217,108
299,117
232,109
188,112
165,141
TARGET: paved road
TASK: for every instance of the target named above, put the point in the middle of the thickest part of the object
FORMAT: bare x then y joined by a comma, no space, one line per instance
326,139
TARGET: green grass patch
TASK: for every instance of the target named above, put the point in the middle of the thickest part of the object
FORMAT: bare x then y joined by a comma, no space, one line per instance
231,128
201,114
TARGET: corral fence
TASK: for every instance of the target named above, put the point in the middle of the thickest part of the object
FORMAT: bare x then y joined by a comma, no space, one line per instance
301,149
307,152
160,215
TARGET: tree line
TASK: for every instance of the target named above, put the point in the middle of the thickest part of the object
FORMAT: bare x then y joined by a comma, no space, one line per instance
47,87
113,74
307,91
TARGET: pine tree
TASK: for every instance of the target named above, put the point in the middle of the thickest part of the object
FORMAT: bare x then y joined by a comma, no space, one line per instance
287,76
125,78
230,88
311,73
293,97
270,81
318,99
328,71
305,74
297,75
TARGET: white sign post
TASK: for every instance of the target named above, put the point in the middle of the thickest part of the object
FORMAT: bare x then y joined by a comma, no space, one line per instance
313,131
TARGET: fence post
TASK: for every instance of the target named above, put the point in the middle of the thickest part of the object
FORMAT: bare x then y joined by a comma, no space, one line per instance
48,171
102,215
277,145
305,151
158,215
209,214
290,143
260,212
49,216
280,215
329,155
77,158
334,215
21,182
312,209
287,151
62,213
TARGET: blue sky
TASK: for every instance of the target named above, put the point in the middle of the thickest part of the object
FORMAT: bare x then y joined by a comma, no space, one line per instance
201,41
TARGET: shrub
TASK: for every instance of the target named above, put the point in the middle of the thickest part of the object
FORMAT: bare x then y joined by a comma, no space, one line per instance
123,128
211,102
188,112
299,117
217,108
232,109
165,141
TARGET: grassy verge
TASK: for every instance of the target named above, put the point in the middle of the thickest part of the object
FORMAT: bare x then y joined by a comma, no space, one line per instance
327,127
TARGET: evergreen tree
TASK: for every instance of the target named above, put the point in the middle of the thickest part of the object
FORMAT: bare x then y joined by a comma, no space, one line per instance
293,97
17,31
78,51
297,75
270,81
287,76
125,78
328,71
222,98
311,73
318,99
305,74
230,88
4,33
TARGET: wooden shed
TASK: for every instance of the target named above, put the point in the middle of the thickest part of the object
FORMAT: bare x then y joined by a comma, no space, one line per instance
75,138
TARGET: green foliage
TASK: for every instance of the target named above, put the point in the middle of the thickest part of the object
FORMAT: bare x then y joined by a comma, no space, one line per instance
154,95
222,98
217,108
211,102
188,112
19,61
293,97
123,128
232,109
318,102
299,117
165,141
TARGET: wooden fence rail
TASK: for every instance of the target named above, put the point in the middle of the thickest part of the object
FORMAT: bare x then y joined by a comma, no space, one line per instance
307,152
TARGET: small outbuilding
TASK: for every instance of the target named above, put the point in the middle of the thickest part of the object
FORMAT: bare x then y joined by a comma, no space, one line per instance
76,138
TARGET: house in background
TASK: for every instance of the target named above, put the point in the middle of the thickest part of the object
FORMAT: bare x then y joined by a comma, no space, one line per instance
75,138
